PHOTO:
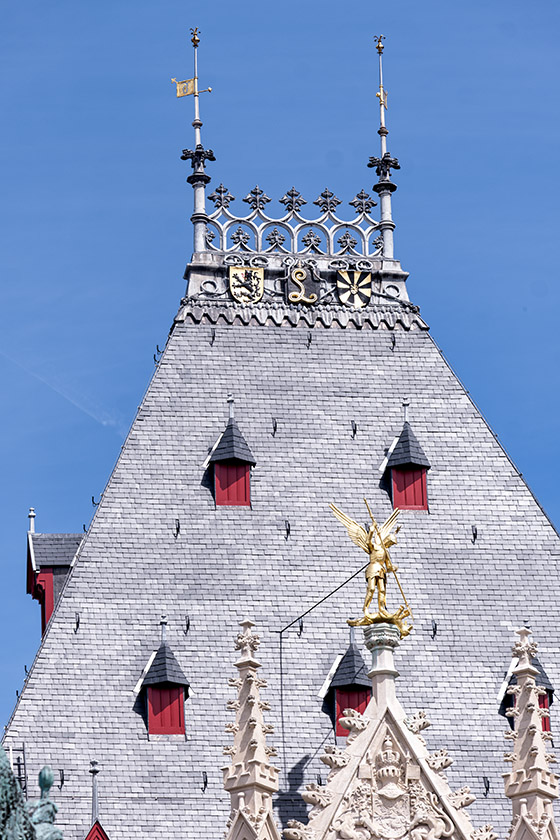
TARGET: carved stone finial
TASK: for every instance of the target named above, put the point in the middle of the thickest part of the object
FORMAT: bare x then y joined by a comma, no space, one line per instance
250,778
529,784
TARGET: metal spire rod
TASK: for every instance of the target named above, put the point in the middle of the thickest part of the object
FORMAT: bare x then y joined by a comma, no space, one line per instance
199,155
384,164
382,95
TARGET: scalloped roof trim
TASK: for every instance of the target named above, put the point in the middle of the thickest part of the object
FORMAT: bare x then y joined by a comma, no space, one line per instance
278,314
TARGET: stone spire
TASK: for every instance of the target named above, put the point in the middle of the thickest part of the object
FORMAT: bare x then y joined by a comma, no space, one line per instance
385,784
250,778
530,784
383,166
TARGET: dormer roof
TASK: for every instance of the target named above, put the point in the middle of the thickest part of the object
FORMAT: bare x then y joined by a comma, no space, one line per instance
232,446
352,670
165,669
407,451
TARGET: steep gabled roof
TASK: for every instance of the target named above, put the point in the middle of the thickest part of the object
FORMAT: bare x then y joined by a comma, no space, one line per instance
232,446
165,669
97,832
407,450
352,669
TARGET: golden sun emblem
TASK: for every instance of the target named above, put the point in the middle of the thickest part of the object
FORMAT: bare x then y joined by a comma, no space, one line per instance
354,288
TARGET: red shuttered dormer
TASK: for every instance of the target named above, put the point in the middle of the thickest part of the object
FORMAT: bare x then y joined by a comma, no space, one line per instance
407,468
231,461
166,688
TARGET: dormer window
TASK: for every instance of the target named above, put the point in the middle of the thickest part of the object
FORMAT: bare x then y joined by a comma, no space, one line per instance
166,689
346,687
408,467
409,488
49,559
349,697
231,461
166,709
232,483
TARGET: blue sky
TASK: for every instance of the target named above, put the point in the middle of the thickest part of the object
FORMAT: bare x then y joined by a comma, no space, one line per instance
95,209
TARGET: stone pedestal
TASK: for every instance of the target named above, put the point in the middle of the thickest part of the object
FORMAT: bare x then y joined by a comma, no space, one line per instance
382,639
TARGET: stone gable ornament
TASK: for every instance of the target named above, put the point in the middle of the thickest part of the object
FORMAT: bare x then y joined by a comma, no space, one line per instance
246,284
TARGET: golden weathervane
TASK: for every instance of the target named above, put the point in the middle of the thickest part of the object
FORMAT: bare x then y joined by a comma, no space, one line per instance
376,543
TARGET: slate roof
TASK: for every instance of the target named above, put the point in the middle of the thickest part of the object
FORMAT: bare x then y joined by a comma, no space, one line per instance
230,562
407,450
352,670
232,446
165,669
54,549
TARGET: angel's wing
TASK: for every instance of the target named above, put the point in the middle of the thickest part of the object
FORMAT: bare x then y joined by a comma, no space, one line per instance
389,524
357,534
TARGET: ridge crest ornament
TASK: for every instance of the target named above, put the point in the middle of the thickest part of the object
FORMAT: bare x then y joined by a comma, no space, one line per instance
246,284
354,288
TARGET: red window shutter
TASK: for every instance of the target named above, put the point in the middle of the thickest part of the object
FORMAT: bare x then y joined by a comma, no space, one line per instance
350,698
544,704
409,488
232,483
166,710
44,593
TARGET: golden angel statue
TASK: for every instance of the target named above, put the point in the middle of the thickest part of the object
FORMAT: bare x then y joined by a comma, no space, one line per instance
376,543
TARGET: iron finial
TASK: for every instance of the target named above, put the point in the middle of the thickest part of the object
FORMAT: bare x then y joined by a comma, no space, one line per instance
405,405
379,45
195,40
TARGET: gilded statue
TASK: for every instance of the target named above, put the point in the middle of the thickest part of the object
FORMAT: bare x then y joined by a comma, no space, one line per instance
376,542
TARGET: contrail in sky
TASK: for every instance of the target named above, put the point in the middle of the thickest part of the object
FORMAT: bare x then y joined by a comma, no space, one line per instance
79,401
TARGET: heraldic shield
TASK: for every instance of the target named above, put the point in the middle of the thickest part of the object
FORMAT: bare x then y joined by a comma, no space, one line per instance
354,288
246,283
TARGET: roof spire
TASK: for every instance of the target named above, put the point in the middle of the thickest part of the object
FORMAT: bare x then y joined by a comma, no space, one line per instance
405,405
384,164
163,625
94,770
200,155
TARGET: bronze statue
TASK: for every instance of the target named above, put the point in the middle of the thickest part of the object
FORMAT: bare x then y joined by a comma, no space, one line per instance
376,543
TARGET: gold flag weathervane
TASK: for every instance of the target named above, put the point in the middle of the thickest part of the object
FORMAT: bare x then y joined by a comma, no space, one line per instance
188,87
382,93
376,543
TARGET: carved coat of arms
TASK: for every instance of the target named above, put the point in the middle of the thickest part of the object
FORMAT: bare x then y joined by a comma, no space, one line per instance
302,285
354,288
246,283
